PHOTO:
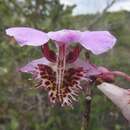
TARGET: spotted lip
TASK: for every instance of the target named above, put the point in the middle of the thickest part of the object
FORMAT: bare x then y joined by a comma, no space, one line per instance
69,89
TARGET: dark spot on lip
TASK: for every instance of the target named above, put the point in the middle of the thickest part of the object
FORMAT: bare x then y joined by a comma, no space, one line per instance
64,95
80,75
53,88
42,73
49,88
74,82
47,83
67,90
71,71
50,78
49,70
41,65
51,94
69,97
76,78
53,98
44,76
65,104
54,84
38,84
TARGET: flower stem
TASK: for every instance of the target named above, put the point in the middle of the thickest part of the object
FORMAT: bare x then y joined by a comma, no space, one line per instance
86,114
87,102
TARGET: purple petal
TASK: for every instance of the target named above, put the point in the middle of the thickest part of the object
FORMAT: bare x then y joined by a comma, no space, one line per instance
65,36
91,69
27,36
97,41
31,67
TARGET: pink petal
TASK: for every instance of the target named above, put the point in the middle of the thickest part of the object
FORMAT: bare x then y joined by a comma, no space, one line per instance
97,41
119,96
27,36
91,69
31,67
65,36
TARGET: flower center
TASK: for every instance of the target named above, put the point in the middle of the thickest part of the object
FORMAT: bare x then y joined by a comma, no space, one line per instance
63,82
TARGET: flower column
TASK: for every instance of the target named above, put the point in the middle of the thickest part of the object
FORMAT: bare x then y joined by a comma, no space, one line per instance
61,61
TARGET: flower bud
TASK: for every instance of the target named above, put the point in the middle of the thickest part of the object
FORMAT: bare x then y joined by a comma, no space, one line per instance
119,96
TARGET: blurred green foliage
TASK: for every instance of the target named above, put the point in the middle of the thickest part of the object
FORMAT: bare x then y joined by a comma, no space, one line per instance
24,108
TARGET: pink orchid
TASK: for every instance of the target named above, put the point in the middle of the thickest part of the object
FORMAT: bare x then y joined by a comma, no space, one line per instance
119,96
61,72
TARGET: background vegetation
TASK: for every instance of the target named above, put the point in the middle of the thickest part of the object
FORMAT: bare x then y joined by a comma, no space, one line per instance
24,108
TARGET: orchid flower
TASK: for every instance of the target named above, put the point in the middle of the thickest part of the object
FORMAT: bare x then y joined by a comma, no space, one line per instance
61,72
119,96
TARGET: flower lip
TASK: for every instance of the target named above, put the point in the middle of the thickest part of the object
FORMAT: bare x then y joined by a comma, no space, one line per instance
96,41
